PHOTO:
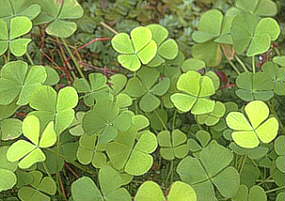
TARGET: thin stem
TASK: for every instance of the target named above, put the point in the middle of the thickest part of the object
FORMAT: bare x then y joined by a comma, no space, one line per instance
275,189
46,169
253,65
73,58
170,172
234,67
174,118
109,28
241,63
29,58
161,121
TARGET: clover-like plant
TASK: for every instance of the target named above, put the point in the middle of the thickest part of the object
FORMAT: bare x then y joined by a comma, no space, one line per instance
252,34
201,140
18,81
136,50
280,150
89,152
252,194
7,169
29,153
179,191
12,8
85,189
277,76
10,35
105,120
255,86
197,90
172,145
96,86
258,7
149,87
40,188
130,154
213,117
58,15
53,106
206,170
167,48
250,130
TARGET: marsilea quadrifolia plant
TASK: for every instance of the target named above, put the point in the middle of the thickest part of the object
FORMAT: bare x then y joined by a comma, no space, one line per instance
157,126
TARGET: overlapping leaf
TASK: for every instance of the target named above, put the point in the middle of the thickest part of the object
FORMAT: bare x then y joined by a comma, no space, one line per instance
29,153
250,130
18,81
280,150
136,50
197,90
206,170
10,35
172,145
85,189
59,15
53,106
258,7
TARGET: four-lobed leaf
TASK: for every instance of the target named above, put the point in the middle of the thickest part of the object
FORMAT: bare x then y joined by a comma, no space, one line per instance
10,35
250,130
30,152
137,49
197,90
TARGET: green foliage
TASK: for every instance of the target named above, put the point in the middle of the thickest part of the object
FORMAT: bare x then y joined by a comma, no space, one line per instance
29,153
10,35
179,191
250,130
196,95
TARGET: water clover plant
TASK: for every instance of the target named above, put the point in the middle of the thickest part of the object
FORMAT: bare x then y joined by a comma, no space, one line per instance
18,81
30,152
40,188
197,90
279,149
173,145
149,87
179,191
254,35
58,15
10,35
258,7
85,189
204,171
250,130
53,106
245,194
137,49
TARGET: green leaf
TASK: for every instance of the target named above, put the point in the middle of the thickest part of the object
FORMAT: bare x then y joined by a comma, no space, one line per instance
277,76
179,191
206,170
279,149
52,106
258,7
248,132
19,81
52,76
197,90
10,128
18,26
172,145
254,193
58,14
29,153
135,50
209,26
193,65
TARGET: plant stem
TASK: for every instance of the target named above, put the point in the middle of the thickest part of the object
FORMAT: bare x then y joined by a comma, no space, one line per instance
275,189
253,64
234,66
73,59
46,169
108,27
241,63
170,172
161,121
29,58
174,118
